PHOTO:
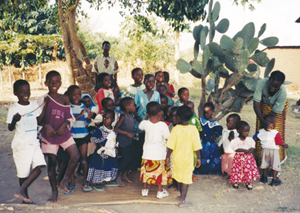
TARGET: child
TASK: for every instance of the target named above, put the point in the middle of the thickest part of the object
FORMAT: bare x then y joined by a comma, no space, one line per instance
137,76
87,100
210,154
117,98
162,89
228,155
159,78
167,110
244,167
79,131
24,117
57,123
183,94
183,142
153,169
174,117
103,167
109,103
105,91
270,142
170,87
163,101
125,130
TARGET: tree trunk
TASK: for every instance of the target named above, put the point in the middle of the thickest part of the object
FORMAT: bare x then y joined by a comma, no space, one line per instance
40,75
1,78
9,75
203,96
177,56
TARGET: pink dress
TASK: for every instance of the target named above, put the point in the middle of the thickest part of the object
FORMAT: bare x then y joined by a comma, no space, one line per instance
244,168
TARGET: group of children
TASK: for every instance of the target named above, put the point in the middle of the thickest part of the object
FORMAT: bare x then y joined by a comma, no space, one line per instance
140,128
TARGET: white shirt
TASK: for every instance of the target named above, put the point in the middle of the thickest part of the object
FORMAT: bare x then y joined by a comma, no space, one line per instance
237,143
267,138
26,127
155,140
111,60
224,140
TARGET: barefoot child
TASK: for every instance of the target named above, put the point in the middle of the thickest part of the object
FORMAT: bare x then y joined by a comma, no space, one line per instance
24,117
244,168
105,91
125,130
184,95
56,132
228,155
270,140
137,76
182,143
153,169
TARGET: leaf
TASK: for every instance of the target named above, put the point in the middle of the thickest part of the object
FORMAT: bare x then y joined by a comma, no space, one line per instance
252,67
230,63
196,49
205,56
250,83
238,104
216,11
224,73
253,45
269,67
203,35
248,33
217,62
211,32
243,60
236,48
198,67
270,41
210,84
183,66
223,26
261,58
196,32
216,49
195,74
237,35
226,42
262,30
209,67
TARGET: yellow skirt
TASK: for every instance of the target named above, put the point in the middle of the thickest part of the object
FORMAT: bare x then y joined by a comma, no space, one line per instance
280,127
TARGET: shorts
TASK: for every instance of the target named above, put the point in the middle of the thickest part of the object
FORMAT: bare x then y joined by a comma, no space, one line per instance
26,157
50,148
270,157
80,141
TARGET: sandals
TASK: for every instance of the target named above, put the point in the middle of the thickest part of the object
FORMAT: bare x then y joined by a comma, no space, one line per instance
194,178
99,188
249,186
86,187
235,185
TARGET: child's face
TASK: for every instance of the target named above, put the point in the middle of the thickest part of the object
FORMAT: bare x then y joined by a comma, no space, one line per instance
184,96
208,112
87,102
108,119
53,83
106,48
161,115
244,132
160,77
191,106
167,112
230,123
138,77
150,83
106,82
163,102
174,117
110,105
131,107
166,78
162,90
75,96
23,94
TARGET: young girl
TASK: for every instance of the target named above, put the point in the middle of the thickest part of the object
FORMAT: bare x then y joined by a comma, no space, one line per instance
105,91
244,168
183,142
184,95
125,130
153,169
103,167
137,76
228,155
170,88
210,154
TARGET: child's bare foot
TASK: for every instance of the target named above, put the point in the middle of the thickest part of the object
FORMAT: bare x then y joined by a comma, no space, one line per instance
124,177
53,197
65,185
22,196
119,181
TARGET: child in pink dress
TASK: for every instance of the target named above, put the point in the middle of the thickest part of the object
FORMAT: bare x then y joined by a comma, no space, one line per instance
244,168
105,91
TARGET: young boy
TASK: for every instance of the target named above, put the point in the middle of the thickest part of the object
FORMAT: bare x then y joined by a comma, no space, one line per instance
194,119
56,123
137,76
162,89
270,142
184,140
24,117
184,95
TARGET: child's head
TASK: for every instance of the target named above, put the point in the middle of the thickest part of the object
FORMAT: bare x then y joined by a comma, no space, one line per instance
190,104
183,94
149,81
271,119
184,113
166,76
153,108
161,115
127,104
108,117
163,101
232,120
86,100
162,89
74,93
104,80
167,112
106,46
53,81
22,91
173,115
159,76
117,95
108,103
243,129
137,75
208,110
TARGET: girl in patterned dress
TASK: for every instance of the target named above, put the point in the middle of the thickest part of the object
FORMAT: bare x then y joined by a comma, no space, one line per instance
244,168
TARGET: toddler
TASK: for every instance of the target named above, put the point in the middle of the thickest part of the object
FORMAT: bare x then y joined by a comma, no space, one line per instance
183,94
244,168
270,142
153,169
105,91
137,76
228,155
162,89
163,101
183,142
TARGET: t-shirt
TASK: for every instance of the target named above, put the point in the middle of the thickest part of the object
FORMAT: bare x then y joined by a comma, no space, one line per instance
178,103
278,100
79,129
131,91
195,122
101,94
156,135
224,140
26,127
269,139
102,62
237,143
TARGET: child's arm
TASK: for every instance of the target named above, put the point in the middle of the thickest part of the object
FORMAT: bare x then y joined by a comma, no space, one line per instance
41,116
198,164
246,151
15,119
80,115
119,131
169,152
62,128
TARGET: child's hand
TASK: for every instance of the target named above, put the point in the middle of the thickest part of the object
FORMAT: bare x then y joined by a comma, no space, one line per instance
116,66
49,131
198,163
95,65
214,137
61,129
285,145
16,118
231,136
46,101
167,162
129,134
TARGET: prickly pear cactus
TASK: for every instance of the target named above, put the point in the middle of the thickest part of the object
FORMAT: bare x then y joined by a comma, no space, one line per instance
236,60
